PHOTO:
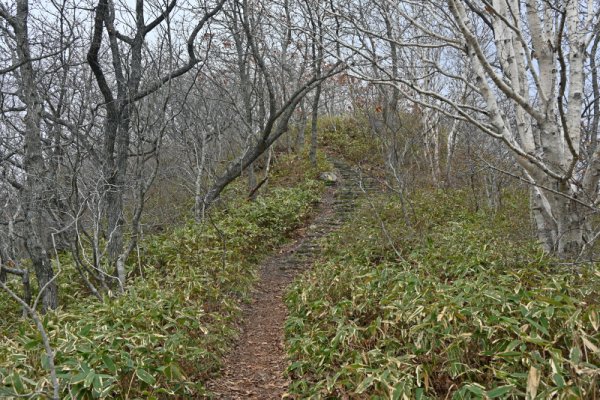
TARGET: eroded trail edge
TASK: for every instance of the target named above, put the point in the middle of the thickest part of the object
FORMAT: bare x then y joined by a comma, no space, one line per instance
255,368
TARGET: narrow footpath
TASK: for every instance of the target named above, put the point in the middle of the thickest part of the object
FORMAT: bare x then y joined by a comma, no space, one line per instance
255,368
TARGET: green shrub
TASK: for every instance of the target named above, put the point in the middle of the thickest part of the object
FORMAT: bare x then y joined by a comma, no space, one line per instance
168,332
350,136
466,311
290,169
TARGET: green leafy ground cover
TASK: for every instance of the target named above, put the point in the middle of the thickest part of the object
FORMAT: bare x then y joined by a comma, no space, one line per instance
469,309
350,137
168,332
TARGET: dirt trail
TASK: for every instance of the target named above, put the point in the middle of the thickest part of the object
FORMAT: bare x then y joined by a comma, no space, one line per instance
255,368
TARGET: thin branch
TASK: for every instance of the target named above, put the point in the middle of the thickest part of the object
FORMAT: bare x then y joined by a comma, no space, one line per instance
45,340
527,181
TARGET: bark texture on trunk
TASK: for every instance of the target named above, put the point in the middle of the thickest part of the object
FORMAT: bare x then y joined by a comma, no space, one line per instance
543,86
313,126
127,57
34,189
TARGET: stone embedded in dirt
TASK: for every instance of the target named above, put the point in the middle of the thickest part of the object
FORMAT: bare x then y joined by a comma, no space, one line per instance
329,178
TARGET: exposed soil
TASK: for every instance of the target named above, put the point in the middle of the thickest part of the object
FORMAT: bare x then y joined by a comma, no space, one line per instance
255,368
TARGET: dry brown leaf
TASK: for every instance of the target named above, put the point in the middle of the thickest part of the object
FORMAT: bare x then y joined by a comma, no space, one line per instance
533,382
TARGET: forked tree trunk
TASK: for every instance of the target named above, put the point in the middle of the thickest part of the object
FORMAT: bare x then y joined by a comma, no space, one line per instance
127,56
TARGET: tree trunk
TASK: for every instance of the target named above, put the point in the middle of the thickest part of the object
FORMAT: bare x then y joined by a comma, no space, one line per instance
34,189
114,211
301,128
198,186
313,127
317,59
572,224
251,177
116,149
450,144
3,260
561,222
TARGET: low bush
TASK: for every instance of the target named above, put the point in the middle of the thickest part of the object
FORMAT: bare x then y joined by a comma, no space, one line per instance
449,304
168,332
352,137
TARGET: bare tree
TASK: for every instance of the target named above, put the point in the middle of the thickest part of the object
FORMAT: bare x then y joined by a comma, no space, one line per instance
315,18
33,191
119,102
277,112
526,64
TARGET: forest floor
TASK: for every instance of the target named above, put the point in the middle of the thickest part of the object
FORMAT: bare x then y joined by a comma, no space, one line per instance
255,368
